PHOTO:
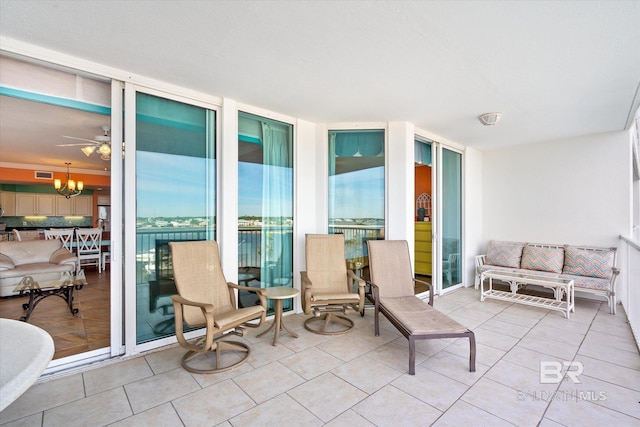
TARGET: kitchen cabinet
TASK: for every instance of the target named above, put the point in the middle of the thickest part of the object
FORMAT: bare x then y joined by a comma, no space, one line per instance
8,203
83,205
75,206
28,204
104,200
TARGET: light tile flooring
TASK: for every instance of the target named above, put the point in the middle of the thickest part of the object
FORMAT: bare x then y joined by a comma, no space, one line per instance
358,379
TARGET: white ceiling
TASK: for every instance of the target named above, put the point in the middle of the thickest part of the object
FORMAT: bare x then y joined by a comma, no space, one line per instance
554,69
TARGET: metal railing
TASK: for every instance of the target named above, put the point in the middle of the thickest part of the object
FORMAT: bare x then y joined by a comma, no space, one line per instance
630,296
152,256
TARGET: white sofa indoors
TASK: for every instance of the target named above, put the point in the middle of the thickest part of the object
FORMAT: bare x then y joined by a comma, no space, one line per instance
592,268
19,259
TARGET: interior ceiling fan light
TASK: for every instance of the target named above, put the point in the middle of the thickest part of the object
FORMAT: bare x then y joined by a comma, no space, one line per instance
88,150
490,119
104,149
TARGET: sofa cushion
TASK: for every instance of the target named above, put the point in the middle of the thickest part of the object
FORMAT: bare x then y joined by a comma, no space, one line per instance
543,258
590,263
36,268
505,254
593,283
31,251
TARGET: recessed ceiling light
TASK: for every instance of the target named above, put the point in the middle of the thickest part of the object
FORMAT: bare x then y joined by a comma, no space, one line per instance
490,119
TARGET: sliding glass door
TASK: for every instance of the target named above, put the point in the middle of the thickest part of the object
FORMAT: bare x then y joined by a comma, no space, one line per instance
356,191
175,199
451,224
265,205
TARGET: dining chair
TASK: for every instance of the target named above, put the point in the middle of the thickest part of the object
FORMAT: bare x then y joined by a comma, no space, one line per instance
66,235
89,246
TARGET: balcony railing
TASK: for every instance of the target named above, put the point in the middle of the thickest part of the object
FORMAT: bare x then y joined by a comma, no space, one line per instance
153,258
630,266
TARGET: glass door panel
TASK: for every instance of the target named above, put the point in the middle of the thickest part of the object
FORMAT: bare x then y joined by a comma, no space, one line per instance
175,200
451,218
265,206
356,191
423,214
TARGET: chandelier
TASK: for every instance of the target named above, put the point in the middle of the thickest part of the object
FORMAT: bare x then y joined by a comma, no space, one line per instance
70,188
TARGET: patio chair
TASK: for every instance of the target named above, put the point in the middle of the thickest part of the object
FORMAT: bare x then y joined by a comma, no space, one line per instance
392,284
206,300
450,267
89,247
327,285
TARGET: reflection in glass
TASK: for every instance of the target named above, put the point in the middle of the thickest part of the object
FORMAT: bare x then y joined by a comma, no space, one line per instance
356,190
451,217
175,192
265,205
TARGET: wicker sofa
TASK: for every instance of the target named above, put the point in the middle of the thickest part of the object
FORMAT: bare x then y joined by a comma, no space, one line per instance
19,259
592,268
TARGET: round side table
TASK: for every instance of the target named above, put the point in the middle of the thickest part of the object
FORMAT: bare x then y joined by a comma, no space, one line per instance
279,293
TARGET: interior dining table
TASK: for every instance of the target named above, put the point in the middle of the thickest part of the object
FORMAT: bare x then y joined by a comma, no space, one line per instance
25,352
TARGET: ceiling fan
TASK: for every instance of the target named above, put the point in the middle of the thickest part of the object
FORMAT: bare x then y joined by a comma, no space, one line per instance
100,143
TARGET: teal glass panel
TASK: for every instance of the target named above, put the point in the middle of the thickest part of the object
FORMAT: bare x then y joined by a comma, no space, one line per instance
451,218
265,206
176,200
356,190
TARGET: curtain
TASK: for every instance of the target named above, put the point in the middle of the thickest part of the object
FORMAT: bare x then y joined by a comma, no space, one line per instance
277,189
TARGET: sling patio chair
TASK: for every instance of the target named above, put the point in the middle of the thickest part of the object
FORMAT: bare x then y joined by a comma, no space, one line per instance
327,285
206,300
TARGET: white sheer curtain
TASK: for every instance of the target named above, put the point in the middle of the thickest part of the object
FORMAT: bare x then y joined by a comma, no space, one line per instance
277,186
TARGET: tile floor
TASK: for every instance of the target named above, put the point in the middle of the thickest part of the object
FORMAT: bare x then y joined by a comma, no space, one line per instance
358,379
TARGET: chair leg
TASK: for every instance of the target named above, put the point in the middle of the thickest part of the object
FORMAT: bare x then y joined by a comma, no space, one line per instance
326,320
412,356
218,348
472,352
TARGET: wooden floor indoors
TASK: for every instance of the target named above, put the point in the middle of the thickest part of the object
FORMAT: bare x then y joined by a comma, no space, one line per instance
88,330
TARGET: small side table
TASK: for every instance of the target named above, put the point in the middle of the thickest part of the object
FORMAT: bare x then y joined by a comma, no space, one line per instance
279,293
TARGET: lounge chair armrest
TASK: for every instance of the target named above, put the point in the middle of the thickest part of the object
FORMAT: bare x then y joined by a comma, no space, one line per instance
306,292
246,288
360,280
260,291
429,286
206,307
480,261
306,282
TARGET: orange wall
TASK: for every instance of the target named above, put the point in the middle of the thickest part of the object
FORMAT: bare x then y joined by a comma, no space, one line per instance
422,183
27,176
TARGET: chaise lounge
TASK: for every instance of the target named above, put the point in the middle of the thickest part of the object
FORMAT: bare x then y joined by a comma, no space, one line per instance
392,286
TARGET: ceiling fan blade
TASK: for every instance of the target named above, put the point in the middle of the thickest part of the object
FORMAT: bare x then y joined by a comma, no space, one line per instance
84,144
81,139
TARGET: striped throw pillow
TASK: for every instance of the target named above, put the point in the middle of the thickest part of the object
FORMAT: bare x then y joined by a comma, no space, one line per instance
504,254
590,263
543,259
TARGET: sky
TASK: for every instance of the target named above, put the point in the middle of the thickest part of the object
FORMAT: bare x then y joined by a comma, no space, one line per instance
171,186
